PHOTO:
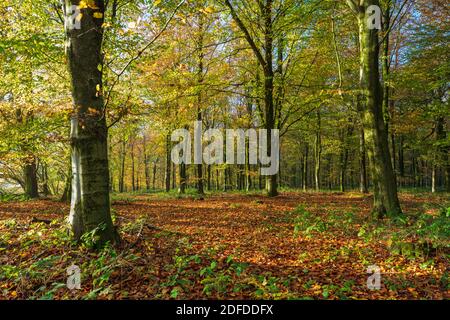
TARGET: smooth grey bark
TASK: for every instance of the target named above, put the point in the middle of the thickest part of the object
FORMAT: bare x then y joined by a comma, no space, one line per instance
90,203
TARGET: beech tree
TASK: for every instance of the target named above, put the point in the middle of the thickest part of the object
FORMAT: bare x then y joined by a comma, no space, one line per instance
90,203
375,134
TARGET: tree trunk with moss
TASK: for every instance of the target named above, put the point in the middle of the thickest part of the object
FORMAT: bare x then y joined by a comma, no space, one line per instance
90,203
375,134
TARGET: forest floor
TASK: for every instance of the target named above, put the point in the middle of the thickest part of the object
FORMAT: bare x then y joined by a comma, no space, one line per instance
231,246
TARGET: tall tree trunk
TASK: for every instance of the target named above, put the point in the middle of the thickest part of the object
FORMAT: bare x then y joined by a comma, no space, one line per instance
447,173
265,60
330,172
174,175
200,79
305,169
248,177
217,180
271,180
154,175
146,164
133,184
209,177
386,63
90,203
385,188
401,162
343,157
317,152
344,154
394,153
168,164
122,166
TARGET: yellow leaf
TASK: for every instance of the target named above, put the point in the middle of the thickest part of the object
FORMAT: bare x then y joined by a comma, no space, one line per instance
92,5
79,17
98,15
82,5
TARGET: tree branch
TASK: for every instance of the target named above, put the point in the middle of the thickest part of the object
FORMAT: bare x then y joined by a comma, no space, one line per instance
247,35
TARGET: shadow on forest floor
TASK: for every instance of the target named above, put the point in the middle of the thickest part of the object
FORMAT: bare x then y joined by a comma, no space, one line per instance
294,246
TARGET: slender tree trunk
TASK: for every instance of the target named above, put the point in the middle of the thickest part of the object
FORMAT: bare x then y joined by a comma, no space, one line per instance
386,64
217,179
154,175
363,188
394,153
182,188
65,197
90,203
208,168
330,172
133,184
447,173
305,169
344,154
248,178
271,181
168,164
146,164
200,79
45,187
265,60
401,162
317,153
122,167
